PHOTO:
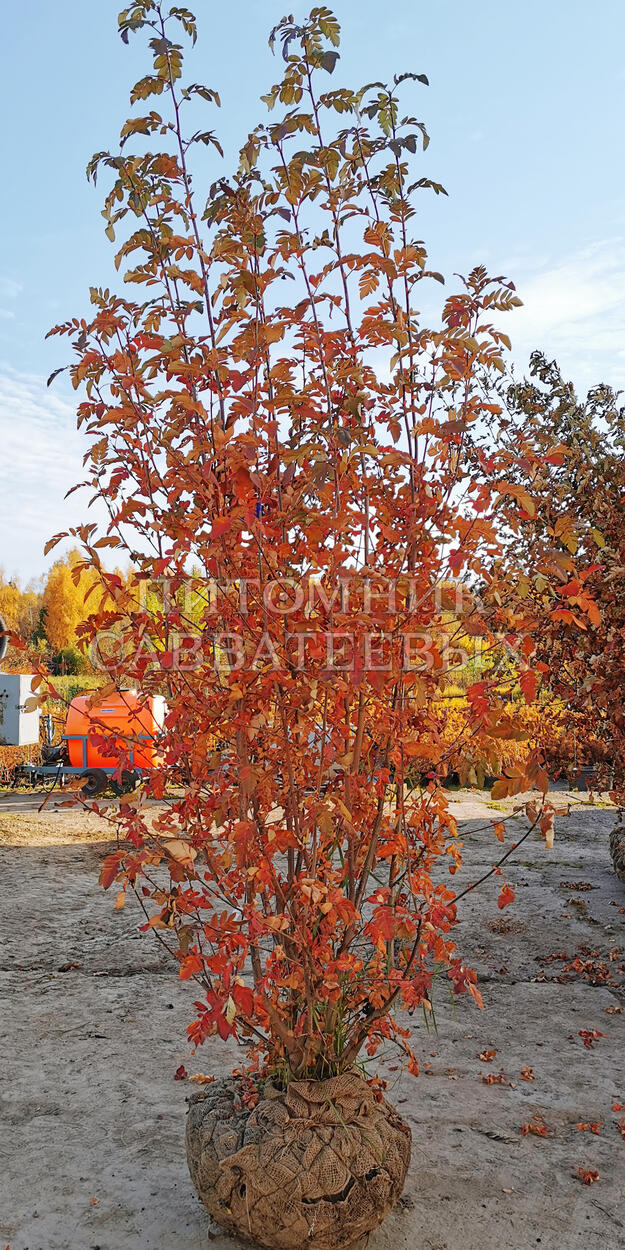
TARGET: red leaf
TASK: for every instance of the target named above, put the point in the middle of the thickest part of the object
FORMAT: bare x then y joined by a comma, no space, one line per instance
110,868
589,1037
221,525
244,999
536,1128
506,897
587,1176
528,683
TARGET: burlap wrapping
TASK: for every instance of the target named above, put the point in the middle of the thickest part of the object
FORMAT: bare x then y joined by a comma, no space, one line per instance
617,851
319,1165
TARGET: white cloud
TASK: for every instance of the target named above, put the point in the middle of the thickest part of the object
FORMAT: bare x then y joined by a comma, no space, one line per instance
41,458
574,310
9,288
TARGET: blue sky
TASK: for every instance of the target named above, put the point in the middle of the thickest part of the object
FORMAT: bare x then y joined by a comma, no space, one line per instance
525,110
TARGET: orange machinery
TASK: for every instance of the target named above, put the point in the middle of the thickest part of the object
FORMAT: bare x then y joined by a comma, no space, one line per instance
129,721
120,731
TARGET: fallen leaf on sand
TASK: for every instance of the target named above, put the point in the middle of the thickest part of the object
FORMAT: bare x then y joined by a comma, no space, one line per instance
589,1037
506,896
587,1176
536,1127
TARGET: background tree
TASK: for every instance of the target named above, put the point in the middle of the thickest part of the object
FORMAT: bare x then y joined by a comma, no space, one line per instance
19,607
50,615
64,600
579,519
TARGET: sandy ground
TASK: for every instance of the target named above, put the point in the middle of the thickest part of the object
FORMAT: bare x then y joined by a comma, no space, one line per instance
92,1027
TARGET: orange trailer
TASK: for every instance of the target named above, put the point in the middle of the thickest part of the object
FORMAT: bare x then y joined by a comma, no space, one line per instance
130,722
122,730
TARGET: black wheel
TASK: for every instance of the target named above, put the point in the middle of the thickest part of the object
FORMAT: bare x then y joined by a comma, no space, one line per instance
94,782
128,783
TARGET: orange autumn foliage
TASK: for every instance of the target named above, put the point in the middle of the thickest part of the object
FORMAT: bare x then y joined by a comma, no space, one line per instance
272,411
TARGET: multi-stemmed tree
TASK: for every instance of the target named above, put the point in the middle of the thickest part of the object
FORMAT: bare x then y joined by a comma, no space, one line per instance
307,483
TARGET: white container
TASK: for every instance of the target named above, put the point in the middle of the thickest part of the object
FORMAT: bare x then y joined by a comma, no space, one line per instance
18,728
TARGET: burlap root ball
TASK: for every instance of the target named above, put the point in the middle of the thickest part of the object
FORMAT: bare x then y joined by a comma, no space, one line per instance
617,851
318,1165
